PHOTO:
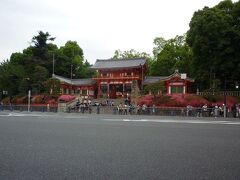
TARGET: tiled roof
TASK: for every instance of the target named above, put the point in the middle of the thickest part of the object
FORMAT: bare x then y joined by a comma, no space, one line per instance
118,63
177,74
78,82
153,79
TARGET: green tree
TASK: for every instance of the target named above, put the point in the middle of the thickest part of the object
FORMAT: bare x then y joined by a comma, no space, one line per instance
170,55
33,66
11,74
214,37
52,86
40,44
132,54
69,55
24,86
155,88
118,54
38,78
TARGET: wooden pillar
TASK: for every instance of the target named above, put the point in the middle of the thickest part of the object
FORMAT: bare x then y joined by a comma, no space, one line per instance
169,89
87,93
108,89
123,89
99,89
185,87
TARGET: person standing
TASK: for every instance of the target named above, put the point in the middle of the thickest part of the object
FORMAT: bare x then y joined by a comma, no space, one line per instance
153,109
204,109
234,110
144,108
1,106
216,109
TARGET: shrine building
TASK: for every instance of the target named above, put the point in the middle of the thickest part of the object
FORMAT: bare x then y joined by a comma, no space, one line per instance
176,83
115,77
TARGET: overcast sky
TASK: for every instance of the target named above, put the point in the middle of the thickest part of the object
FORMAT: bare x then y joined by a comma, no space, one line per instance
99,26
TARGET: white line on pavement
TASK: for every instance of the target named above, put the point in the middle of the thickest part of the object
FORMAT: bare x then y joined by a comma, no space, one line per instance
23,114
177,121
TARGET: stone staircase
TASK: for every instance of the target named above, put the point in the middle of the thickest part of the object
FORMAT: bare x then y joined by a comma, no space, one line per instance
115,101
63,107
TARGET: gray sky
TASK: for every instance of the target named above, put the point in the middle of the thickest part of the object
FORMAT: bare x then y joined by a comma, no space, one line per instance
99,26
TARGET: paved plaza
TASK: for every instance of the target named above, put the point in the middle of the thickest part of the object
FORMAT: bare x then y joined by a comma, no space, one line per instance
76,146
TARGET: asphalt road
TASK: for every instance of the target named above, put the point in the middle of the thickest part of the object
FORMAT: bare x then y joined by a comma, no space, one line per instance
65,146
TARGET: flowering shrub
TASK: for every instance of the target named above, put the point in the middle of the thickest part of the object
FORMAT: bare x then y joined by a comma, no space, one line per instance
174,100
148,100
161,100
38,99
6,100
195,100
21,100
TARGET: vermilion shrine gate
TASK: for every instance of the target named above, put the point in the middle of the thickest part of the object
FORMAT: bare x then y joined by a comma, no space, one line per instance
115,77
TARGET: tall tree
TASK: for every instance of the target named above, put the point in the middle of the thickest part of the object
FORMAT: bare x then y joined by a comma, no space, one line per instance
32,67
214,37
170,55
118,54
70,58
40,44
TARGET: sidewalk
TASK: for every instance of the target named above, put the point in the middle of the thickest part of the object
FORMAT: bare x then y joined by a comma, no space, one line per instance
113,116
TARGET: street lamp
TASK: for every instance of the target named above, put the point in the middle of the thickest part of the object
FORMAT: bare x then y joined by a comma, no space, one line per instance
236,85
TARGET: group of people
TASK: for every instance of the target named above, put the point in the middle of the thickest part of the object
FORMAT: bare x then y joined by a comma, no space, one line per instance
127,108
213,111
82,106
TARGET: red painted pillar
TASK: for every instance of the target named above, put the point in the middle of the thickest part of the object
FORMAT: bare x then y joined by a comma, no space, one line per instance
99,89
108,89
123,89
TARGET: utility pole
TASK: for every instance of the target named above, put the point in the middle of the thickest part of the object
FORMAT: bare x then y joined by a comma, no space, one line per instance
71,78
29,100
225,98
53,64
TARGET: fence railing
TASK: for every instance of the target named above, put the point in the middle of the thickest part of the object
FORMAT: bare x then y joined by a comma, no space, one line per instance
158,111
220,93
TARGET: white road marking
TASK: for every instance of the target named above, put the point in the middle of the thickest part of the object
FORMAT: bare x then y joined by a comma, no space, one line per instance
178,121
23,114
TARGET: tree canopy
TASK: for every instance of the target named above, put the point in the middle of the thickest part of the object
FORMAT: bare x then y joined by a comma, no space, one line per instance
170,55
214,37
31,69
